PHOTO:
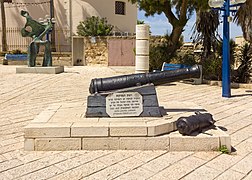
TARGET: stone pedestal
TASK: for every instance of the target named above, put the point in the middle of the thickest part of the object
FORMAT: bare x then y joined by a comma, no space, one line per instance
97,105
40,70
64,127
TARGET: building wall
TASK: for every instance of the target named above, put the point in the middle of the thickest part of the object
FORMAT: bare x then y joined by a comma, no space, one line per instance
80,10
240,41
124,23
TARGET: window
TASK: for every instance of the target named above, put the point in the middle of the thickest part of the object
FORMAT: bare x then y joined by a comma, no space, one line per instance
120,7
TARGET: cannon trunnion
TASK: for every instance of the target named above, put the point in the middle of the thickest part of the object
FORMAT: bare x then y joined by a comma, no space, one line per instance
132,95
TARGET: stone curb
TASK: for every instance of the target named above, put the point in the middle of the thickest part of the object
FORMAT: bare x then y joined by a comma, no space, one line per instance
233,85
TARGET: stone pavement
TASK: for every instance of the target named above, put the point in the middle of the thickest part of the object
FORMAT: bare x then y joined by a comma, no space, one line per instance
23,96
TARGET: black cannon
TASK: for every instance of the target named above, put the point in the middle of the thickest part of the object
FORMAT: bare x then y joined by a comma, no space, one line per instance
156,78
106,101
194,123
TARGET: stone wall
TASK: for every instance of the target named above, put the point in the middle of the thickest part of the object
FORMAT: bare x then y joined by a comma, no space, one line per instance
96,51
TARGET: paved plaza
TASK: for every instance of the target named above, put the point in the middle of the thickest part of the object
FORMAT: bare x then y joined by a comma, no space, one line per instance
24,96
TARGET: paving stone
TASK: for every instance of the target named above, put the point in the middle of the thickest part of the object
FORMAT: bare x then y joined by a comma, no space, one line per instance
81,171
248,177
131,163
224,162
207,155
147,156
181,168
244,166
81,159
116,157
9,164
33,166
164,161
110,172
45,173
230,175
204,172
23,96
139,173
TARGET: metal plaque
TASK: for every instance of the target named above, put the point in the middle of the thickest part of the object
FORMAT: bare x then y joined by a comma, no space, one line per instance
124,104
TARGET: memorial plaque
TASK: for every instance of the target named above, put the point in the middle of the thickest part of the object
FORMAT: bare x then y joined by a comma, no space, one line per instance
124,104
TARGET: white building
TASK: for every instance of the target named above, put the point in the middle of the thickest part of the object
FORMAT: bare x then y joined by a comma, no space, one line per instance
120,13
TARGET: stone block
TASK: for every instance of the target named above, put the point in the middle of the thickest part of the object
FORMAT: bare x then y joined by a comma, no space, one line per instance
200,142
157,143
36,130
132,143
225,139
80,129
109,143
29,145
145,143
128,129
159,127
57,144
40,70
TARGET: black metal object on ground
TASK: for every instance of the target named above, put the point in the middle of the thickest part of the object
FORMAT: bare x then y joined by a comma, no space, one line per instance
197,122
157,78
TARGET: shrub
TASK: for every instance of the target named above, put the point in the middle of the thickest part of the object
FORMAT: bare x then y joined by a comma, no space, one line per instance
212,67
161,52
94,26
158,55
18,51
242,74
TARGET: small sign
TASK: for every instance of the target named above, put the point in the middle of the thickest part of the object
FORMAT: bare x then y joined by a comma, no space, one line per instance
124,104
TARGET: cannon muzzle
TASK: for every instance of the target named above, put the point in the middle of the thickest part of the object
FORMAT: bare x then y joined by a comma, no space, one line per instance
157,78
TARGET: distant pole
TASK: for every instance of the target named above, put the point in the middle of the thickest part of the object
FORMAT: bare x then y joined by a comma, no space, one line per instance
226,90
71,20
3,17
53,28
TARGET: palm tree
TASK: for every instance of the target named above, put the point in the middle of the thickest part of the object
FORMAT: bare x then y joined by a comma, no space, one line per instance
244,18
4,40
205,31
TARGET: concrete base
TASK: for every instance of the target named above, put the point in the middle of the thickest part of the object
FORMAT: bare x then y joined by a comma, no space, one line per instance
40,70
64,127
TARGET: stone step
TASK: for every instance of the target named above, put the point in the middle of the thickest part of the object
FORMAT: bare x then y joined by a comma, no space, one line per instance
209,140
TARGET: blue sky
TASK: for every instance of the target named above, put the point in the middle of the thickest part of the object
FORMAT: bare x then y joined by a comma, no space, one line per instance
160,26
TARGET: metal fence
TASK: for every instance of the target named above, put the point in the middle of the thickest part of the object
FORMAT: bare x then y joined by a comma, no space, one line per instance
16,42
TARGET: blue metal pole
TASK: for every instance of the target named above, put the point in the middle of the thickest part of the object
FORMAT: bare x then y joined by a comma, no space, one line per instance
226,91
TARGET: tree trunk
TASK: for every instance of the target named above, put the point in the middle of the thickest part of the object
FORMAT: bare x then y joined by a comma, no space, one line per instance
174,39
4,39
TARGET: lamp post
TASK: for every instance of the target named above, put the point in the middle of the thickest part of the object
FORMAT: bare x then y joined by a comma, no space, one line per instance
225,5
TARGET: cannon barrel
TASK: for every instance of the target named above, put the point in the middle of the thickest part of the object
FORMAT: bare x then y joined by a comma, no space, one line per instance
157,78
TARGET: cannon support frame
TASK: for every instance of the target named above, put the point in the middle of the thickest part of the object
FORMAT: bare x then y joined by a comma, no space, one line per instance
143,83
